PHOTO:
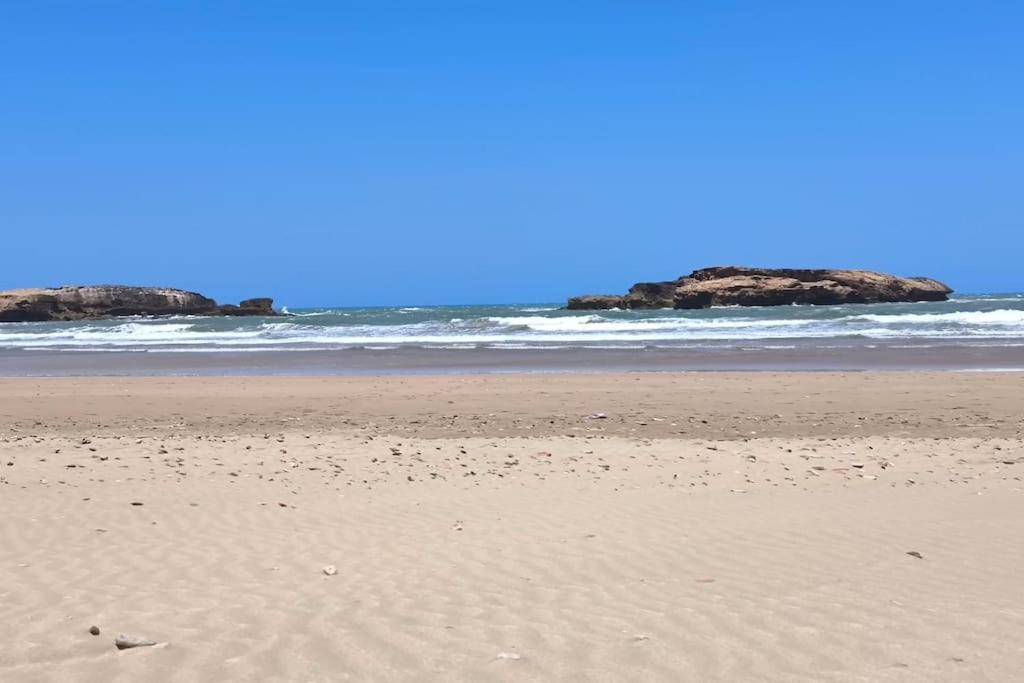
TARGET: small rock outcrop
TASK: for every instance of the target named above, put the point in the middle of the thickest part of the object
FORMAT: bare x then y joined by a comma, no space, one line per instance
261,306
111,301
739,286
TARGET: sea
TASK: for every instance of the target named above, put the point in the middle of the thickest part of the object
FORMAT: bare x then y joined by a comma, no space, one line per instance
977,332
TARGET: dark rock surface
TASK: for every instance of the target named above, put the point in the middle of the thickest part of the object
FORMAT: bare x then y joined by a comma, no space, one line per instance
111,301
260,306
596,302
739,286
127,642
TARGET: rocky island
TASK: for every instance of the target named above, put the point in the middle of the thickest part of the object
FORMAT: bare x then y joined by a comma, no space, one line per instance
740,286
110,301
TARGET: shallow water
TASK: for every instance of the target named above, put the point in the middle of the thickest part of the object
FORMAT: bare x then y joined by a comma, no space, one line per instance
987,320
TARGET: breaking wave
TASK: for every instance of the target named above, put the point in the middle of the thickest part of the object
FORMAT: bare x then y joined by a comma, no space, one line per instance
996,319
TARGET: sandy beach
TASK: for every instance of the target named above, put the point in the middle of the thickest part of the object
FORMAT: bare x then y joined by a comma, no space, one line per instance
644,526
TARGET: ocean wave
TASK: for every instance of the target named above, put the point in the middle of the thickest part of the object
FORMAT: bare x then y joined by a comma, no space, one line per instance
596,323
1002,316
341,339
974,321
309,314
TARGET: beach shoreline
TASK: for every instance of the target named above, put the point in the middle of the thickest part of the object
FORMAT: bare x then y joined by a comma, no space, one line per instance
978,332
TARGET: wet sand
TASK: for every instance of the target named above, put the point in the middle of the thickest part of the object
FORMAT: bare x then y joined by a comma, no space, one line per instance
919,355
644,526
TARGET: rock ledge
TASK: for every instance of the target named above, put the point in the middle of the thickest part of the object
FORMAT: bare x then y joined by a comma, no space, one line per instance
740,286
95,302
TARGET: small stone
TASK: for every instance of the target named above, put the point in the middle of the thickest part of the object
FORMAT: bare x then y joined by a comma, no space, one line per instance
126,642
509,655
597,416
330,570
136,503
94,630
914,553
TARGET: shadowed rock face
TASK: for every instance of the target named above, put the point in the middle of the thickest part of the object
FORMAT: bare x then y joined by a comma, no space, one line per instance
738,286
260,306
111,301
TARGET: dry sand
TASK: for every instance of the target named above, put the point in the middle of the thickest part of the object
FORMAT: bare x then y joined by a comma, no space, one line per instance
709,527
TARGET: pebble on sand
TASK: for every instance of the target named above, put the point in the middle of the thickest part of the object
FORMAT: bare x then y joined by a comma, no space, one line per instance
94,630
330,570
126,642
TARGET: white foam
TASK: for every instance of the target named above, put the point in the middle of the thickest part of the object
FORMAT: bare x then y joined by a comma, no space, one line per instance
675,329
1003,316
595,323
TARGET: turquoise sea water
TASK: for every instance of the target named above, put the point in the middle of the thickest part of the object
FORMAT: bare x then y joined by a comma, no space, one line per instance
983,320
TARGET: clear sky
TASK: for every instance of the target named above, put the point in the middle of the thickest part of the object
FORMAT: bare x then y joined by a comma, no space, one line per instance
466,152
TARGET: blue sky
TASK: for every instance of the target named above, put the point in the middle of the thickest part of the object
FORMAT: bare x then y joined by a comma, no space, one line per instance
462,152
